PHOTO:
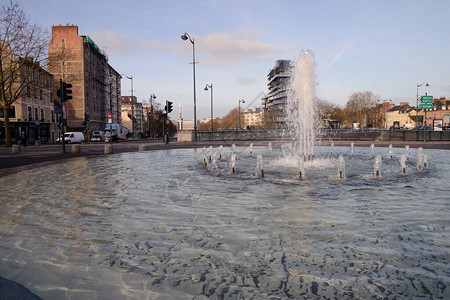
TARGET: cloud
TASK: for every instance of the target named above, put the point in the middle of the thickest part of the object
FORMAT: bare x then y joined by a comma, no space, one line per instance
221,48
246,81
112,41
216,49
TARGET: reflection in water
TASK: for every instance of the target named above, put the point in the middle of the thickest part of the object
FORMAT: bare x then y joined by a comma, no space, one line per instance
149,224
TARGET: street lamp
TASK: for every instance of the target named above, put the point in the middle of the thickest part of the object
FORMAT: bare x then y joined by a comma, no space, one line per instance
206,88
152,96
185,37
417,99
132,107
240,101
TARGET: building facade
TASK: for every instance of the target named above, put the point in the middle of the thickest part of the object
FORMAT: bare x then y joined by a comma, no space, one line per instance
130,107
34,112
276,100
253,118
95,84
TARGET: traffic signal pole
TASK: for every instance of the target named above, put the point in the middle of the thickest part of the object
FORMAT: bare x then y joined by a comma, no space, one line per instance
61,95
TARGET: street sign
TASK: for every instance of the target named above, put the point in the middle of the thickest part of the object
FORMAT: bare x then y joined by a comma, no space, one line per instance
426,99
37,122
426,106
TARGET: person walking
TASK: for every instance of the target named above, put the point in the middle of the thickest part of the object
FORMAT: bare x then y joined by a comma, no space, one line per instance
24,139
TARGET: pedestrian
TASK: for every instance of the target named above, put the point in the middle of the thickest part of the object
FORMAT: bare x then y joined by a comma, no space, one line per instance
24,139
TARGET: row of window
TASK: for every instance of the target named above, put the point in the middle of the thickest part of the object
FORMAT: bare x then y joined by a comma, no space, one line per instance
35,95
12,114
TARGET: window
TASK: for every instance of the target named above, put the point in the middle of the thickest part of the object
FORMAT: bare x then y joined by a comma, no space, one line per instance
12,113
36,113
35,94
40,95
42,114
30,116
53,115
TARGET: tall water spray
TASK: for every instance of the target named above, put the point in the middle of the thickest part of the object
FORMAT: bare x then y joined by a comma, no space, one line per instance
402,160
407,152
420,159
377,166
389,152
300,115
259,166
352,146
233,162
372,150
220,151
341,166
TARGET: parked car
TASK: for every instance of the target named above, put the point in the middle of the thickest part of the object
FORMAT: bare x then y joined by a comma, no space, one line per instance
72,137
97,138
421,127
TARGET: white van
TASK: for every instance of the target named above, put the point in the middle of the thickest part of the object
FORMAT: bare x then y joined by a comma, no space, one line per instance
72,137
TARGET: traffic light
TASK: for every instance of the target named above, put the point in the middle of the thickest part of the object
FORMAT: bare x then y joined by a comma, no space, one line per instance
64,91
168,108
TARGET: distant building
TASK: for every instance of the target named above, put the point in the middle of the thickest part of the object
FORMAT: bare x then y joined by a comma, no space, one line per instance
401,114
135,110
278,78
253,118
95,84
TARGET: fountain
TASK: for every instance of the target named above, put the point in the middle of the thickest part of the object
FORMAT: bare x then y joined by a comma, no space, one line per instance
259,166
389,152
251,148
205,162
220,151
214,160
403,159
270,148
352,148
300,115
233,162
341,166
420,159
407,152
372,150
332,147
151,224
211,150
377,166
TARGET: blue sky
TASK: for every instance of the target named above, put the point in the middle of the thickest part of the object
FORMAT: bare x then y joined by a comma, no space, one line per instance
386,47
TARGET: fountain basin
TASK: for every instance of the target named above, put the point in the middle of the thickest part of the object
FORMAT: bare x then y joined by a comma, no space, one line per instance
149,224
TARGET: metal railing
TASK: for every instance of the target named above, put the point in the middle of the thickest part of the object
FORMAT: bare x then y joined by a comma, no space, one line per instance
326,134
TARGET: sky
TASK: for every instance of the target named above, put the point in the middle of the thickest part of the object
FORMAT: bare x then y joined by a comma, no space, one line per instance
383,46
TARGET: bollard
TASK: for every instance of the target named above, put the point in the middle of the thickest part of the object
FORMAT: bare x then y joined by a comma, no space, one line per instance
142,148
15,149
76,149
108,149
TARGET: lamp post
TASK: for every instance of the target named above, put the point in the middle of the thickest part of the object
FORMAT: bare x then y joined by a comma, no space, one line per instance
206,88
417,100
185,37
152,96
240,101
132,107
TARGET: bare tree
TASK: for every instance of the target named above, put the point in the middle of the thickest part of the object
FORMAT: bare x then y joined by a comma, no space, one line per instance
23,55
358,105
325,110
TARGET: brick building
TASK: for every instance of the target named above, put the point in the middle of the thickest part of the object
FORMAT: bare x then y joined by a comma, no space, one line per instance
95,84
